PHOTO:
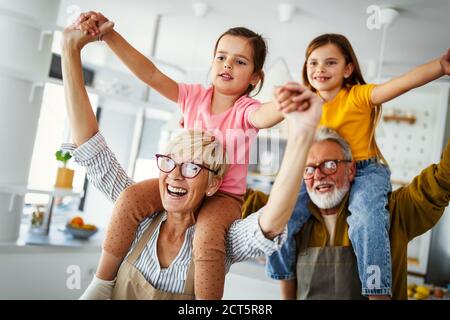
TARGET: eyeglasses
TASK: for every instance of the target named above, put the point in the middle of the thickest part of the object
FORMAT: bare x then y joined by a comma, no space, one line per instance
327,168
189,170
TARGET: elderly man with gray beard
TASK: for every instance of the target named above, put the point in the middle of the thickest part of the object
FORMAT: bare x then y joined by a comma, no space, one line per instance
323,264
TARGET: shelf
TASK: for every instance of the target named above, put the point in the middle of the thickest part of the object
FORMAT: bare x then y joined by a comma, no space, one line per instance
162,114
56,192
18,190
40,81
400,118
28,20
21,75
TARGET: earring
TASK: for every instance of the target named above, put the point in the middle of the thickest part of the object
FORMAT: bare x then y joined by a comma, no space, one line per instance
208,193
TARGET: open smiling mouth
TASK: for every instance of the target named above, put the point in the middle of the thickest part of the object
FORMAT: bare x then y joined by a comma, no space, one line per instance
176,191
324,187
321,79
226,76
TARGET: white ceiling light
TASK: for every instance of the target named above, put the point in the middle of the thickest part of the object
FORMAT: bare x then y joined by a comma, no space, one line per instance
200,9
388,16
286,11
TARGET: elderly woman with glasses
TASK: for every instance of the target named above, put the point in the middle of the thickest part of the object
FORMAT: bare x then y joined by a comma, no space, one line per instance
159,262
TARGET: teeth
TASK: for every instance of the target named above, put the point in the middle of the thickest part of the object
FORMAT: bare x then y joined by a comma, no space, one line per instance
176,190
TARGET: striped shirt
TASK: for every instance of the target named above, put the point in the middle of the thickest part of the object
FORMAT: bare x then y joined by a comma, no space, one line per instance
245,238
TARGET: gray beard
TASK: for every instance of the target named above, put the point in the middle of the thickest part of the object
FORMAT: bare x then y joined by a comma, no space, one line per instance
329,200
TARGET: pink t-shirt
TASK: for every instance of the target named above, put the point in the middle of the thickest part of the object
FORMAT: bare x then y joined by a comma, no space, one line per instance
232,127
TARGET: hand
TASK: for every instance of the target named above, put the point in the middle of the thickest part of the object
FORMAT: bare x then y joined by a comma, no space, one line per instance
90,23
285,98
309,117
76,39
445,63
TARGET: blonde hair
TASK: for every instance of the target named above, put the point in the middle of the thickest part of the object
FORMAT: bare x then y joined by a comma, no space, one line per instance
343,44
199,145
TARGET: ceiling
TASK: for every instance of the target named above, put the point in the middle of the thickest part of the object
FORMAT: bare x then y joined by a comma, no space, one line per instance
421,32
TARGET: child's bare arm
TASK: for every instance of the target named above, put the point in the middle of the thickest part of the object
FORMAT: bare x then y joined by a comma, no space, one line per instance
266,116
139,64
415,78
271,113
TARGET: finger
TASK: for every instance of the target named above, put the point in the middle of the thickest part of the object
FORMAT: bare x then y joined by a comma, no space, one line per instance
94,17
305,95
88,14
101,18
88,29
85,16
283,96
279,90
105,28
85,28
283,101
290,108
304,106
286,103
294,86
93,29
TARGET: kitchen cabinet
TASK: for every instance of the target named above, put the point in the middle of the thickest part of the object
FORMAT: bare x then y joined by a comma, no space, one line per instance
247,281
47,272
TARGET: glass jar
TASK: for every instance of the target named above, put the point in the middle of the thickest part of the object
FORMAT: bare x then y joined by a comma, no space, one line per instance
37,217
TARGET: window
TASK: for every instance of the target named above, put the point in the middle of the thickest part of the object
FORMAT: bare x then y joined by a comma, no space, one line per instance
53,129
145,165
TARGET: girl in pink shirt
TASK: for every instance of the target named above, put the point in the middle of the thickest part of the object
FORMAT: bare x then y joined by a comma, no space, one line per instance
226,110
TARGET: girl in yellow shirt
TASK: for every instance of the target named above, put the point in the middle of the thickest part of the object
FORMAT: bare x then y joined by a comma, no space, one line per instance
353,109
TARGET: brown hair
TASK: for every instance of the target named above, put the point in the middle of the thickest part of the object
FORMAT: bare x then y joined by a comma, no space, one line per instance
259,47
342,43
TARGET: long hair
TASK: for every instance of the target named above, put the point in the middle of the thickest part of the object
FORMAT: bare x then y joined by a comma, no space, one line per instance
342,43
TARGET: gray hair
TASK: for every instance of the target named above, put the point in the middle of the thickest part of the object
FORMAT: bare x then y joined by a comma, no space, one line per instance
328,134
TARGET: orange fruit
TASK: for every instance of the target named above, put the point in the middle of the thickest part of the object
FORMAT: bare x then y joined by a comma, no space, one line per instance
77,221
88,227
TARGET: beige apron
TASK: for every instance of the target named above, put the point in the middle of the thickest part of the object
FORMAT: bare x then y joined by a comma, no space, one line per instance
132,285
327,272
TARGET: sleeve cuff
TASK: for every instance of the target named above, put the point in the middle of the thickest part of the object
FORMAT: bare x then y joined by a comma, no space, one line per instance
90,148
252,109
267,245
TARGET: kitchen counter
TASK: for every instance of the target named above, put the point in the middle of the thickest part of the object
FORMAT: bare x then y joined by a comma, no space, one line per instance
56,240
56,266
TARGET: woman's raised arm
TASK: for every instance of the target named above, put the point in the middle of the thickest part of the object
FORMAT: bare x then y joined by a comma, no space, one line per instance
82,119
283,196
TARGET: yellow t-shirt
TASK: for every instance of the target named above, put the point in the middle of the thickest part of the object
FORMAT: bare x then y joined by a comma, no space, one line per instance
350,114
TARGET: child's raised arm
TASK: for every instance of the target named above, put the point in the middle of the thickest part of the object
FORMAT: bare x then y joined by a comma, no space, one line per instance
286,99
415,78
139,64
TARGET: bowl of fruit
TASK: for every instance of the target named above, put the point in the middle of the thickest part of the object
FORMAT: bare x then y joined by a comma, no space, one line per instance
78,229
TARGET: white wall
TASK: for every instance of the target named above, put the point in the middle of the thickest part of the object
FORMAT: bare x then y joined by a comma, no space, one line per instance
188,41
116,124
